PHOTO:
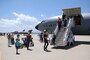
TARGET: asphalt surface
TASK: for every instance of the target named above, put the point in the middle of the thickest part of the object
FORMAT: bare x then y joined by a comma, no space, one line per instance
80,51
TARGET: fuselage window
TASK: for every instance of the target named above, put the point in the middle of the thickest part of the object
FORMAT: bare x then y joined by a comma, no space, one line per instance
54,24
45,25
49,25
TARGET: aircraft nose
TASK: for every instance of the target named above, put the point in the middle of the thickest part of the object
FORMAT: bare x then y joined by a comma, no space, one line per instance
37,27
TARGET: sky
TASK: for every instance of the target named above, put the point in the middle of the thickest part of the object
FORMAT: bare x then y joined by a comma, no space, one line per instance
17,15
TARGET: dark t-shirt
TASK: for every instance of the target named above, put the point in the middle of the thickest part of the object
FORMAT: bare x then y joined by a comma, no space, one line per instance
65,22
28,36
18,35
8,36
45,35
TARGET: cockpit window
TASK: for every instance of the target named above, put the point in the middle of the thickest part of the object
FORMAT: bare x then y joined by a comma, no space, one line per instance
42,21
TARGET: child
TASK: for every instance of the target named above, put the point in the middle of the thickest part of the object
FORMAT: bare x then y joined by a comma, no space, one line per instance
17,45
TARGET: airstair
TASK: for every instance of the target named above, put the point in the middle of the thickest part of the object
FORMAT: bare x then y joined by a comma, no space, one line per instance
65,35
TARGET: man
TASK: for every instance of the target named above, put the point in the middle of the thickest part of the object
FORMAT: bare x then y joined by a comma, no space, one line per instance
18,35
65,21
29,39
45,40
41,37
9,39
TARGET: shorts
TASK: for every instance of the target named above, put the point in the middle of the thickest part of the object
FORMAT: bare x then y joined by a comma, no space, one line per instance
9,41
17,47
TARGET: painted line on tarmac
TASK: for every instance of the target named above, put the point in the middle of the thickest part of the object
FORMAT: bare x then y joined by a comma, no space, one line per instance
0,55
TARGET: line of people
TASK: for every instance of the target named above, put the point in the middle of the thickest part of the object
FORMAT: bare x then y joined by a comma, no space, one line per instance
27,41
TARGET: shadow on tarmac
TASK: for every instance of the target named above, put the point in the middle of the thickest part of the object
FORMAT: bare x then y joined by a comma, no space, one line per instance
72,46
48,50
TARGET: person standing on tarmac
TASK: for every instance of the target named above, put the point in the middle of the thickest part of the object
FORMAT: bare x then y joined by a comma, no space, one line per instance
41,37
17,45
18,35
9,39
45,40
12,39
29,38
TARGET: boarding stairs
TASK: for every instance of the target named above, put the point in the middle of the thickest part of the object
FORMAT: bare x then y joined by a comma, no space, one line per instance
63,35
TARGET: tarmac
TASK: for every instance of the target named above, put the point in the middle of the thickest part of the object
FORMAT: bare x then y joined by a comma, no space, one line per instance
80,51
0,55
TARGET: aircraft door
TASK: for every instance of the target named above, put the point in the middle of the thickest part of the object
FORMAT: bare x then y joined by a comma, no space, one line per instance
75,13
77,20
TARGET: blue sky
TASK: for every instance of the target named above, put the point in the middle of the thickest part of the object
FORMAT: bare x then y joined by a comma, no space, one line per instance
25,14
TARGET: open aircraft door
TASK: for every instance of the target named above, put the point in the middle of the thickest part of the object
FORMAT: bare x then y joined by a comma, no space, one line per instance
75,13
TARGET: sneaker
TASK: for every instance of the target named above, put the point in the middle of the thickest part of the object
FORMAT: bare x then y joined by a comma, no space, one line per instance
18,53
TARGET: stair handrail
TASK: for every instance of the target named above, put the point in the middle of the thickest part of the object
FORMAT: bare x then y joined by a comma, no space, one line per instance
68,29
56,30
